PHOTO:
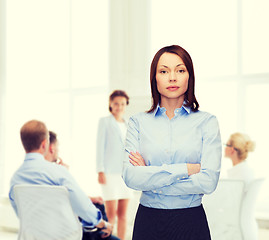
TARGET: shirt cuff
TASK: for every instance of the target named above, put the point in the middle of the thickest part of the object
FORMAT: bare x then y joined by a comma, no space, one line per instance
179,171
93,224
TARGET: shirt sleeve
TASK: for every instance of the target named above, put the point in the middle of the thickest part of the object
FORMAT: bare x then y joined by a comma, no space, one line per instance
12,201
59,175
100,146
80,202
146,178
204,182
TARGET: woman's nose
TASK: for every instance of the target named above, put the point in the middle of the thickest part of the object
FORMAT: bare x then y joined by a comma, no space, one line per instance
172,77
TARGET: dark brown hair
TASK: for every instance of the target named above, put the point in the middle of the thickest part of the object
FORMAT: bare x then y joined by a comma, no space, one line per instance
32,134
118,93
53,137
190,98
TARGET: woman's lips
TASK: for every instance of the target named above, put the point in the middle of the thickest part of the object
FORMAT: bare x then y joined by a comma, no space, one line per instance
173,88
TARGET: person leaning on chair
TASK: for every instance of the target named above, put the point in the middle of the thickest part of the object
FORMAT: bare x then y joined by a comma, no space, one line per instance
36,170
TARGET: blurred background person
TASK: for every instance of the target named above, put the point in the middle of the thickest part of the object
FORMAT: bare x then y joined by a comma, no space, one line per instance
88,233
36,169
52,154
109,161
237,148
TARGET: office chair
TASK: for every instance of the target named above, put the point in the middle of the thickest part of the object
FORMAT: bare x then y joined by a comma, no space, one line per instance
248,222
223,210
45,213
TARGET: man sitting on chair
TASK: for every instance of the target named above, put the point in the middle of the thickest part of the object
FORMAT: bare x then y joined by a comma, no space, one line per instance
36,170
52,156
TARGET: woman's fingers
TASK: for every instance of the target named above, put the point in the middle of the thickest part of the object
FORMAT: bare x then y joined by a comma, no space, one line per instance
133,162
101,178
136,159
193,168
138,154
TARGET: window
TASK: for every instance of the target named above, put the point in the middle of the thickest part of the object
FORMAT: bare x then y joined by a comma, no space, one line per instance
57,72
255,40
202,28
230,54
256,126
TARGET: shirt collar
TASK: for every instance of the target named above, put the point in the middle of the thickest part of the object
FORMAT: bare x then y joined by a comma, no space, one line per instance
161,110
34,156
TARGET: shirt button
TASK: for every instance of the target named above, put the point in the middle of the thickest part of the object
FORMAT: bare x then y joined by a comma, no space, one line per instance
160,191
178,178
154,191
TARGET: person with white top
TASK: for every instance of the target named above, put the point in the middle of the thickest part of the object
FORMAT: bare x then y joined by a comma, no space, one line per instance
237,148
109,161
173,154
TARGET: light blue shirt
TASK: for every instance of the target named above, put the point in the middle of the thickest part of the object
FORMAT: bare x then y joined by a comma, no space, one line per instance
167,146
36,170
110,146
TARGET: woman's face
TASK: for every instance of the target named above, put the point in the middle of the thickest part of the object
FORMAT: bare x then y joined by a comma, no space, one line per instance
228,149
118,105
171,76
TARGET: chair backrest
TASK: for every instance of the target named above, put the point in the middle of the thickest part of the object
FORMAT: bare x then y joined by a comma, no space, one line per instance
248,221
45,213
223,210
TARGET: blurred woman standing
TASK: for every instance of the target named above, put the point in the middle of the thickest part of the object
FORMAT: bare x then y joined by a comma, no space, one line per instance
109,161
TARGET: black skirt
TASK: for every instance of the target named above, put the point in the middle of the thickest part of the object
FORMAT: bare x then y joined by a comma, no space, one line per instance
171,224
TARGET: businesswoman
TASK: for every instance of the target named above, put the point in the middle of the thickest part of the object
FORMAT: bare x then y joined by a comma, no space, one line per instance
109,161
173,154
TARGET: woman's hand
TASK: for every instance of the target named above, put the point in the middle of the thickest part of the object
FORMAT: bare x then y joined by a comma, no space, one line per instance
136,159
101,178
193,168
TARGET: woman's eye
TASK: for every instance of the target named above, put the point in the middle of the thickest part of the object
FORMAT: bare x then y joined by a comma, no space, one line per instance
163,71
181,71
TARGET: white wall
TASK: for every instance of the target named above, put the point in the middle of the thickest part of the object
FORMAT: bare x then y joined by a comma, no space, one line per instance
130,51
2,86
8,218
